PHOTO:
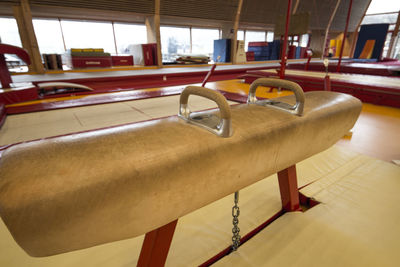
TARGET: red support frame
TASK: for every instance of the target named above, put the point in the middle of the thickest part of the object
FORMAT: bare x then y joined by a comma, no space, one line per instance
285,41
5,77
287,179
309,56
290,198
208,75
156,245
327,83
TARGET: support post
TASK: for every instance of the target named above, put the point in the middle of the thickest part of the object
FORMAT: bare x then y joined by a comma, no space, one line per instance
327,83
156,245
153,31
309,56
158,34
287,179
23,17
285,39
344,36
353,43
235,30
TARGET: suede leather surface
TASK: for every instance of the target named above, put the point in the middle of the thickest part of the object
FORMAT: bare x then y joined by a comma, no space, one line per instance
77,191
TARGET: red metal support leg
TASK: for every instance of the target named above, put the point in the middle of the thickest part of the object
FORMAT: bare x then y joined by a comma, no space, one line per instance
285,40
5,77
309,56
208,75
344,36
327,83
288,187
156,245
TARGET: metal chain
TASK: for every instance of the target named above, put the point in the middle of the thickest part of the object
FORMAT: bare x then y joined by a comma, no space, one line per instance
235,221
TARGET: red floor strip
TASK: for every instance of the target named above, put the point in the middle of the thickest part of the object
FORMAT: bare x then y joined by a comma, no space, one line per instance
111,98
95,100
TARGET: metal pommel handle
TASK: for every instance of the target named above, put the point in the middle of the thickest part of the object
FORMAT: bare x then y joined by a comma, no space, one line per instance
296,109
221,126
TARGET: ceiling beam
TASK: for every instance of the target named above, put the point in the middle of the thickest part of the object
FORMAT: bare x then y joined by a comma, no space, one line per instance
157,32
295,7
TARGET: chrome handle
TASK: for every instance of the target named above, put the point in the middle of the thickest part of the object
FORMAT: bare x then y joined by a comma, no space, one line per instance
296,109
221,126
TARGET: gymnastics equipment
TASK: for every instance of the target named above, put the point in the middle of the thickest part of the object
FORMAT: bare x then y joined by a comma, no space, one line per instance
377,32
76,191
5,77
366,53
61,87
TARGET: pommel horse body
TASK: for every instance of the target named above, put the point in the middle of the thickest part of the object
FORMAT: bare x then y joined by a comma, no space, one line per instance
76,191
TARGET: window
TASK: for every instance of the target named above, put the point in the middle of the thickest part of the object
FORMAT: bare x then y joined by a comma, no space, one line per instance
386,45
380,18
9,32
203,41
240,35
84,34
382,6
254,36
384,11
49,36
270,36
396,52
127,34
304,40
174,41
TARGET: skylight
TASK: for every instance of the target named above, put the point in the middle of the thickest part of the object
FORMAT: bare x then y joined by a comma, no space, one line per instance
383,6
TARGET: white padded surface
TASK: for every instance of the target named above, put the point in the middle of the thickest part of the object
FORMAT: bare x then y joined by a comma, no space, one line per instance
36,125
357,223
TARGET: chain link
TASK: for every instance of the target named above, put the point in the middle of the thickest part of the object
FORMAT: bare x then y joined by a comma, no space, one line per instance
235,221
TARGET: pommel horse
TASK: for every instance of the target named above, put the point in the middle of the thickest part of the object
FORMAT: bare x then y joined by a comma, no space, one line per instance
81,190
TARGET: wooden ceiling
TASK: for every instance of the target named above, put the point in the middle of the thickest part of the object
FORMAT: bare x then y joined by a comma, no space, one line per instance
260,12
